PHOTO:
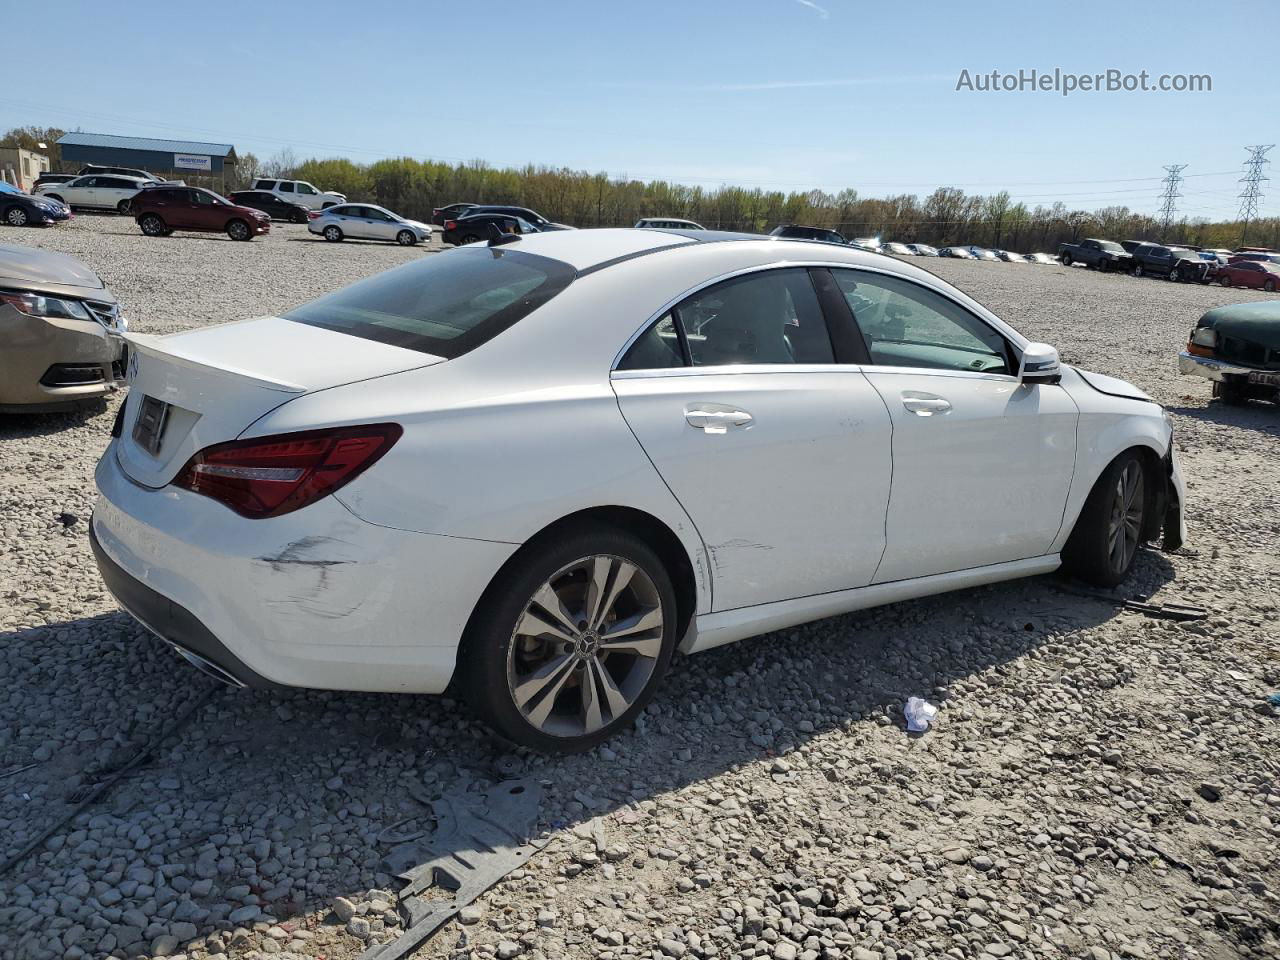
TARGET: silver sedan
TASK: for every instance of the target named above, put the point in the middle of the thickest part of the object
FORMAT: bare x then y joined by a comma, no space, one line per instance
364,221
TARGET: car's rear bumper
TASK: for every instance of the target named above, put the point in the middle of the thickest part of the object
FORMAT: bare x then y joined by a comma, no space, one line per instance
315,598
173,624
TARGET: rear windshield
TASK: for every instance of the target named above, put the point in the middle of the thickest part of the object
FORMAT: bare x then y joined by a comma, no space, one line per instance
444,304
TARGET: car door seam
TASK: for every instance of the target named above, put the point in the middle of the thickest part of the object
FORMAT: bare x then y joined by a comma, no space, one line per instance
884,546
706,557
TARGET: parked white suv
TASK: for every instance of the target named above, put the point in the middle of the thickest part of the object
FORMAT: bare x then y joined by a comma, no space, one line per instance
100,190
299,191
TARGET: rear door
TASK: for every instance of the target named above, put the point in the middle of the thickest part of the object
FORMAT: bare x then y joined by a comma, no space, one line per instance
982,464
768,433
352,221
82,192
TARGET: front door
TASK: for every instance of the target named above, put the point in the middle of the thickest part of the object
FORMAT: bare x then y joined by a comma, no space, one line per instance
981,463
778,453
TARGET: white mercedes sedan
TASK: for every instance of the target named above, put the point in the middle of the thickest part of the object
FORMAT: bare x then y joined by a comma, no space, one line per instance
540,466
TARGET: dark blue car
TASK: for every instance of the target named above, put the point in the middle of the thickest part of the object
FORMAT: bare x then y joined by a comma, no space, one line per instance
18,209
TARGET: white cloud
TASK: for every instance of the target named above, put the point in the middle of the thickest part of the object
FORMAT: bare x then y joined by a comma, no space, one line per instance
820,11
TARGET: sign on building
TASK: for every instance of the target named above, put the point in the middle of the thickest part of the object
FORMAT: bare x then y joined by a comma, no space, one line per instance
191,161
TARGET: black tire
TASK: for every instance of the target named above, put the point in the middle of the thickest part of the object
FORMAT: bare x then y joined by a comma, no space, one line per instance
16,216
326,206
123,207
239,230
1172,275
153,226
333,233
1104,266
1231,393
492,653
406,238
1224,280
1091,552
1269,286
298,217
1138,270
1066,260
469,238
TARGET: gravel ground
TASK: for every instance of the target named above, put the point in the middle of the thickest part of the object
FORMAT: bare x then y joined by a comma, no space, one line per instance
1097,784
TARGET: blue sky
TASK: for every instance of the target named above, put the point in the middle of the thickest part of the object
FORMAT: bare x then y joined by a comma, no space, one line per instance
787,94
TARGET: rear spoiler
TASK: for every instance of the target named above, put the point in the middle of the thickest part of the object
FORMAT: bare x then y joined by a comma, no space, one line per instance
147,344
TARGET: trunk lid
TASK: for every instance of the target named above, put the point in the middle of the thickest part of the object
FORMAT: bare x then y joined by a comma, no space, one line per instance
191,390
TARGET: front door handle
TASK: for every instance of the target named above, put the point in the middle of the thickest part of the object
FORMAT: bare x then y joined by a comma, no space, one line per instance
925,404
716,417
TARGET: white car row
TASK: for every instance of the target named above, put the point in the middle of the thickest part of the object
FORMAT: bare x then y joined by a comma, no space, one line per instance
542,465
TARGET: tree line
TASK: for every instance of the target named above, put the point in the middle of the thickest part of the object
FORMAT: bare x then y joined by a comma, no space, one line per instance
414,188
948,215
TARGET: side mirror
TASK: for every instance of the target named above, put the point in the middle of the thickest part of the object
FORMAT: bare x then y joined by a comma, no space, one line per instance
1040,364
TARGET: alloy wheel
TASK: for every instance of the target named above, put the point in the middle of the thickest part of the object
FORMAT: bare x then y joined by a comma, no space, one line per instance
404,238
237,230
1124,528
17,217
585,647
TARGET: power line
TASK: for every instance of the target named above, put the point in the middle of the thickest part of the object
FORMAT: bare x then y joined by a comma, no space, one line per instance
1169,198
1253,177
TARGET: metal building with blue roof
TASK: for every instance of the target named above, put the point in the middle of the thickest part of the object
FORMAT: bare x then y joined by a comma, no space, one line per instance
156,156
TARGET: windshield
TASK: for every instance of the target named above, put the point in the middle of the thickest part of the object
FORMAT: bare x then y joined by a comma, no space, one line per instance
445,305
1182,253
1110,247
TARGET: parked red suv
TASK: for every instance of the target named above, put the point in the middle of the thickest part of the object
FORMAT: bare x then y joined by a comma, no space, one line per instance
1250,273
161,210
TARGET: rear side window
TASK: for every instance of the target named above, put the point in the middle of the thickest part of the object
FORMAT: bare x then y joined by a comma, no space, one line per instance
444,305
285,186
768,317
264,185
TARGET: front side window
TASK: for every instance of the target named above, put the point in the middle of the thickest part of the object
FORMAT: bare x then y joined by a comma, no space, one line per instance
906,325
768,317
307,188
444,305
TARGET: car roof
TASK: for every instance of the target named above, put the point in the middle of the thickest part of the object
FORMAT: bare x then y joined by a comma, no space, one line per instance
594,249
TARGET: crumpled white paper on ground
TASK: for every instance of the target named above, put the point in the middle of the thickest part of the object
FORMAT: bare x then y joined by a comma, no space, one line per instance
919,713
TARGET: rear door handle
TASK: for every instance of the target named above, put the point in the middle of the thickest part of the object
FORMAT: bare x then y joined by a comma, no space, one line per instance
925,404
716,417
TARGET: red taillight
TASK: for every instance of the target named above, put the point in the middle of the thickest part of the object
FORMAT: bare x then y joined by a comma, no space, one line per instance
269,476
312,215
451,224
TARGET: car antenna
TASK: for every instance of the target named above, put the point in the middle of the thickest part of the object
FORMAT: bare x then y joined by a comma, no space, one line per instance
497,238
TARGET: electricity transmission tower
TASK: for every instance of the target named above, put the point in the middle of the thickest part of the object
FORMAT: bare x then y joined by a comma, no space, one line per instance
1169,198
1253,178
